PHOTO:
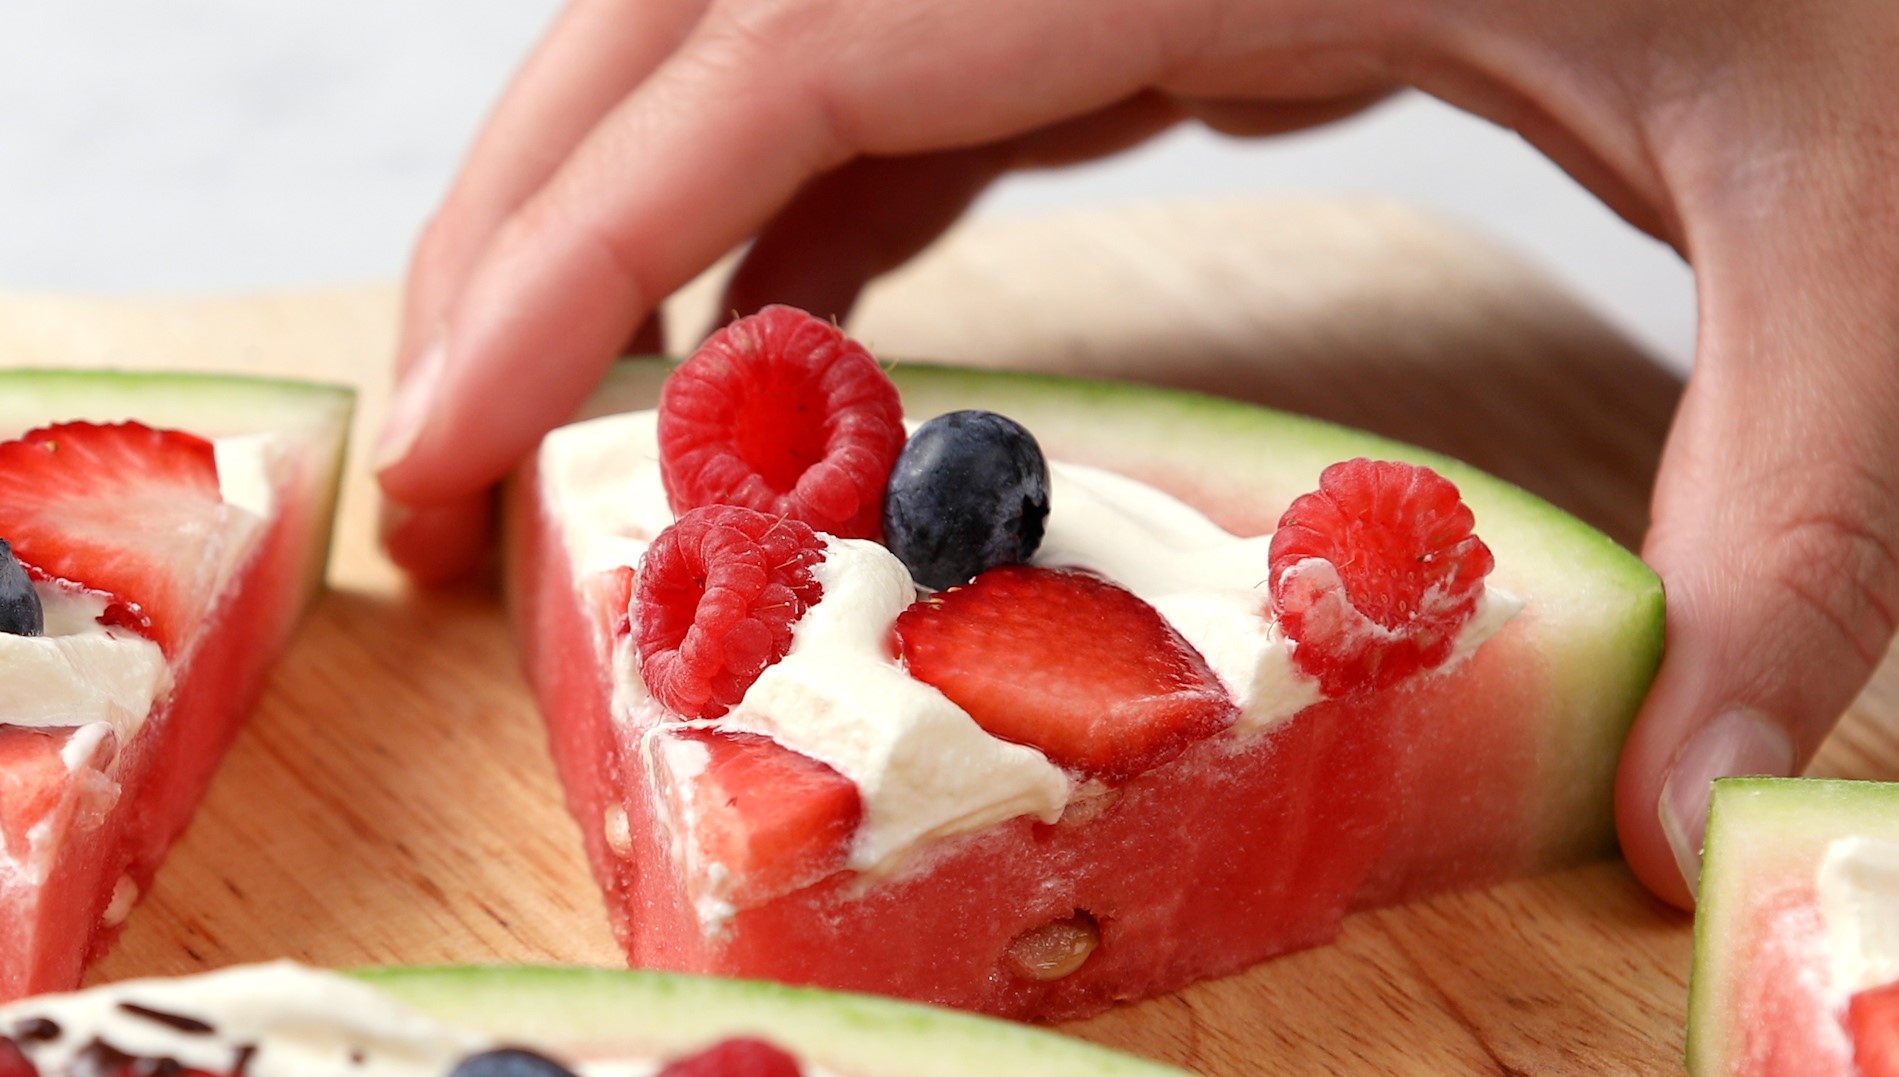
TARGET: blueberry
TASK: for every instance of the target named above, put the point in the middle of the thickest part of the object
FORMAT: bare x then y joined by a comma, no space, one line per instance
969,492
20,613
509,1062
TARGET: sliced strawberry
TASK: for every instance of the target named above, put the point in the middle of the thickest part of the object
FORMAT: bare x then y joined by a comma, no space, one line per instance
1068,663
1374,573
13,1061
33,782
125,509
769,820
1872,1018
738,1057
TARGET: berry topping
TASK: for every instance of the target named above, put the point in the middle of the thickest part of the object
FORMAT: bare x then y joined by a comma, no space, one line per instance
1373,574
124,509
20,612
1068,663
736,1058
1872,1019
968,493
714,601
768,820
780,412
509,1062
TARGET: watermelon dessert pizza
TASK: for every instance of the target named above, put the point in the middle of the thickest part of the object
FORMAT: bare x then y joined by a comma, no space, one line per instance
159,537
1031,695
1797,931
284,1020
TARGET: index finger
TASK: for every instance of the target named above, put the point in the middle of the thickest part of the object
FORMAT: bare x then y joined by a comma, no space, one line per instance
691,164
595,53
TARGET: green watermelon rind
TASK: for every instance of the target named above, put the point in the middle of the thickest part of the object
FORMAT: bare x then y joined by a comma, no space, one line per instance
1600,664
654,1014
1763,832
209,405
171,397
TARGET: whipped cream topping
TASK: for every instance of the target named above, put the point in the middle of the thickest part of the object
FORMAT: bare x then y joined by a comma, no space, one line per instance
80,673
1858,886
923,767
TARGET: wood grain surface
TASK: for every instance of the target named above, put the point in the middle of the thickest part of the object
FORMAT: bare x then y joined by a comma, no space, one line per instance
392,800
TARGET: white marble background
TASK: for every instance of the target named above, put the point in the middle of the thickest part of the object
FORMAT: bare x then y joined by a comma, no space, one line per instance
168,146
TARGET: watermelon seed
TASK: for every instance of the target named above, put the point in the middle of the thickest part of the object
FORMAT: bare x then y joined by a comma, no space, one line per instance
1056,949
619,830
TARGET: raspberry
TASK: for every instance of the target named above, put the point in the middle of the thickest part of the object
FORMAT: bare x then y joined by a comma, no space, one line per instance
1373,574
739,1057
714,601
780,412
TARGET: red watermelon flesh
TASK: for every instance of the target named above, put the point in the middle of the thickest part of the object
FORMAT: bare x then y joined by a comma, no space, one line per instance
113,817
1240,848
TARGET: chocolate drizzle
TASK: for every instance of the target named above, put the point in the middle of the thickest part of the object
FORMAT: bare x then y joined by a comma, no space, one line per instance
37,1030
101,1059
189,1025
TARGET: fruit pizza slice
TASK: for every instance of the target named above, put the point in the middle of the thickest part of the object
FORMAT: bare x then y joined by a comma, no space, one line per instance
159,537
283,1020
1030,695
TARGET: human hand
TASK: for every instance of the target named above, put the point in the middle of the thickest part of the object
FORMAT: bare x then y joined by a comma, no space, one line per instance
645,139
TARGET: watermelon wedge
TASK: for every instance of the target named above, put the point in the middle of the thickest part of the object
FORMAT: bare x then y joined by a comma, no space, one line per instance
1797,931
285,1019
1230,846
174,527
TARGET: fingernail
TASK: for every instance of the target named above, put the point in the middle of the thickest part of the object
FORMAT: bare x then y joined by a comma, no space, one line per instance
1735,743
409,408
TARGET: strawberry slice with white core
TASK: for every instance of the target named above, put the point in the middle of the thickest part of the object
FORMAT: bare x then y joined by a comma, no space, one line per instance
1069,664
1374,574
764,820
124,509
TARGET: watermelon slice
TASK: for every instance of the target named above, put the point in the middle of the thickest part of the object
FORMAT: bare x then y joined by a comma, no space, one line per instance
176,526
1242,846
285,1019
1797,930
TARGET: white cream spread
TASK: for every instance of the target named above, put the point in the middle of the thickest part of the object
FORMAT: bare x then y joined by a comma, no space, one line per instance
81,672
279,1020
1858,885
103,681
923,767
292,1022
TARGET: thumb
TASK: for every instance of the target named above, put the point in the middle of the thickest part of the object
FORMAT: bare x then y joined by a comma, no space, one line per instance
1776,525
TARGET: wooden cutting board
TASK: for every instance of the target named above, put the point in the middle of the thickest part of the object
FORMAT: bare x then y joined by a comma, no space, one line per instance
392,800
